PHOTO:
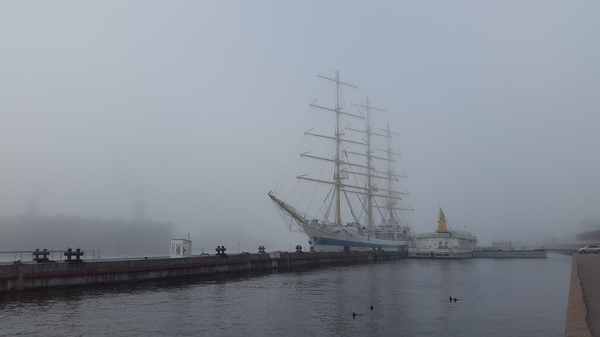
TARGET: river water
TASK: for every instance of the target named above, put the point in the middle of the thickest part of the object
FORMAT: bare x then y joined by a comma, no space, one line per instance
496,297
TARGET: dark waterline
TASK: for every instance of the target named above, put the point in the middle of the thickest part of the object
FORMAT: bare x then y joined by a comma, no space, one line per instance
496,297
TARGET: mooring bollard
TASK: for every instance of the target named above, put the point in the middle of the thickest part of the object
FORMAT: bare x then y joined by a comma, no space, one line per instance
221,250
44,256
36,254
261,249
76,254
298,249
41,256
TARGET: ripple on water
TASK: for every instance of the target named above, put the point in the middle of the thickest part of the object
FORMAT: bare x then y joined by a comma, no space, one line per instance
496,298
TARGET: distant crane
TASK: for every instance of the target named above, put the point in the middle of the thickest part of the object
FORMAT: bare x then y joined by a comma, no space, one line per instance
138,204
35,200
33,204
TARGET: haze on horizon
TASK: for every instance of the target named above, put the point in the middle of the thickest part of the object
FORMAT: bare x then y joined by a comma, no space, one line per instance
199,106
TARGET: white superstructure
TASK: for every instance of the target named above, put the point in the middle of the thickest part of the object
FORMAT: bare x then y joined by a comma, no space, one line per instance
443,243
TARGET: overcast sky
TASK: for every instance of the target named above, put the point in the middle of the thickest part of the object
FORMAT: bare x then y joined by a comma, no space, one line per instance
202,103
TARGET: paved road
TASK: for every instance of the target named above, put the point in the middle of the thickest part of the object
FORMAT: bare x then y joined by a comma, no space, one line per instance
588,270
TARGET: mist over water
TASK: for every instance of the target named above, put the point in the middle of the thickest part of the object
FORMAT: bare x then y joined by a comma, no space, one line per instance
124,124
190,111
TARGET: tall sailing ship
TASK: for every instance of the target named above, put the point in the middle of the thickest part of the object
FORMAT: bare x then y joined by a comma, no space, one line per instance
443,243
349,193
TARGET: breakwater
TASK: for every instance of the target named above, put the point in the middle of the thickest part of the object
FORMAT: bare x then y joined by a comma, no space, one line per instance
19,276
510,254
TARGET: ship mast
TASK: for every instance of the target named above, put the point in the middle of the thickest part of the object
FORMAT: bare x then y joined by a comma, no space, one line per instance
338,174
371,169
391,201
387,192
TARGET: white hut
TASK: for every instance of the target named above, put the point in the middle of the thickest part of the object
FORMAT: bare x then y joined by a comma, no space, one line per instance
181,248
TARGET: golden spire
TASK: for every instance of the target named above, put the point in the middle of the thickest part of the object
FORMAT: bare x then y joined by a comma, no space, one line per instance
442,223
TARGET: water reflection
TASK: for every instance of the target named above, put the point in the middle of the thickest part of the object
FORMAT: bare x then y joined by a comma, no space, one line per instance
410,298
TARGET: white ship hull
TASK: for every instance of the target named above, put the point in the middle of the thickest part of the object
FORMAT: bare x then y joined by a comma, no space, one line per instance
328,238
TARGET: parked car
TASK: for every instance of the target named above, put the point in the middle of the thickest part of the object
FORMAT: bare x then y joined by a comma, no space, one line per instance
590,249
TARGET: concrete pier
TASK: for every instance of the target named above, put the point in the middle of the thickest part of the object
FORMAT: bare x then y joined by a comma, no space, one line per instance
583,311
30,275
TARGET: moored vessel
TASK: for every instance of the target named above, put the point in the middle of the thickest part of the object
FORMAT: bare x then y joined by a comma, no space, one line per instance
350,197
443,243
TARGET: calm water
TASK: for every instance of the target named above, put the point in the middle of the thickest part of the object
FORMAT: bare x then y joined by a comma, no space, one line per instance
497,297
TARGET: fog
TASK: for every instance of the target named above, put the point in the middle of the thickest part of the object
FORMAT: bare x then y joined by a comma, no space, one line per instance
196,107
